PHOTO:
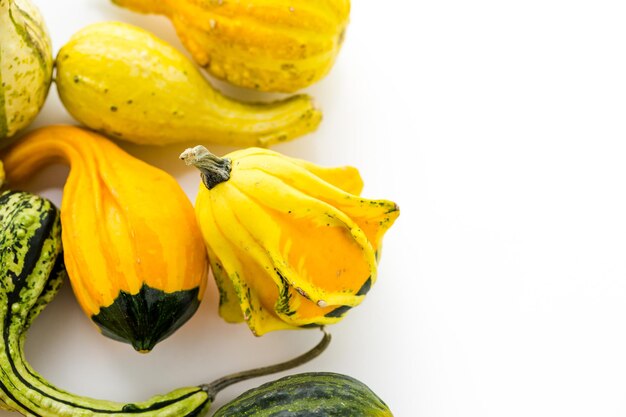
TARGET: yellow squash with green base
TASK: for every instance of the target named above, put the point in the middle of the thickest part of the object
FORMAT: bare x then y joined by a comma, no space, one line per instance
133,249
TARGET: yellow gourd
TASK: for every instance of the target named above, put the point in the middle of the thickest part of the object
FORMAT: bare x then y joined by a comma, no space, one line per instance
291,244
268,45
125,82
132,246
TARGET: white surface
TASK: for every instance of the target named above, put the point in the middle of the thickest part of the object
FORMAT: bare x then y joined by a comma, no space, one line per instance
499,129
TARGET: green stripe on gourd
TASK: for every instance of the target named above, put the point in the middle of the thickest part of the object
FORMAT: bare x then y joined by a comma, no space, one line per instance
25,65
30,275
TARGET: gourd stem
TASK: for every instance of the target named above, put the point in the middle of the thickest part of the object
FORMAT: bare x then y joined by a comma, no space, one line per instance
213,169
218,385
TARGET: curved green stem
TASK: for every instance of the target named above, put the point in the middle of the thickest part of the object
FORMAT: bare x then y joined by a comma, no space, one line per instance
218,385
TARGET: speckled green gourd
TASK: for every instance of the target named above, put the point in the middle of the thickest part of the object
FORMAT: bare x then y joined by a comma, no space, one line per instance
31,273
25,66
314,394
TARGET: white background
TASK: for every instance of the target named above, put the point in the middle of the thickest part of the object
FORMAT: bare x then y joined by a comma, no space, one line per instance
499,129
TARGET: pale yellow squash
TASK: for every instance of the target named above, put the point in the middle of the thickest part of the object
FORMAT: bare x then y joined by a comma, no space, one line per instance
25,66
125,82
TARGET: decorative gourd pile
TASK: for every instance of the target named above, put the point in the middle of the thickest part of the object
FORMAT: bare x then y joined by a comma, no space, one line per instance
290,244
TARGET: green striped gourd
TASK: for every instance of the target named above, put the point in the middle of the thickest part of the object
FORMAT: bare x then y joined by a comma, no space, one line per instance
31,272
314,394
25,65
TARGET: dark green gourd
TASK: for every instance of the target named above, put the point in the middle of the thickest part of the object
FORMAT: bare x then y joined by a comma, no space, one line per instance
315,394
31,272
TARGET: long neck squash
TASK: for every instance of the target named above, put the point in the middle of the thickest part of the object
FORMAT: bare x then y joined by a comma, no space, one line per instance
31,273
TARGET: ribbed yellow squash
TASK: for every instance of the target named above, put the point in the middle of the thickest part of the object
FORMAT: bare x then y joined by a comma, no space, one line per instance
291,244
132,246
268,45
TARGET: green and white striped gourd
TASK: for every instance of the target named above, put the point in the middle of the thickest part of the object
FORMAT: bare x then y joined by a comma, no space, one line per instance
25,65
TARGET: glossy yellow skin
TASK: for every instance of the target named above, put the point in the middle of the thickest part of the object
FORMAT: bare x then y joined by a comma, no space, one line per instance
268,45
289,241
125,223
121,80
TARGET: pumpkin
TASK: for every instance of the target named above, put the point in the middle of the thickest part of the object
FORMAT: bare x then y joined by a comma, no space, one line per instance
133,249
291,244
268,45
